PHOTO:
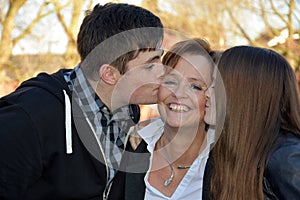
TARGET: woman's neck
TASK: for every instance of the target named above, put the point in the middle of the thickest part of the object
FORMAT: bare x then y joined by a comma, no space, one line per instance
182,146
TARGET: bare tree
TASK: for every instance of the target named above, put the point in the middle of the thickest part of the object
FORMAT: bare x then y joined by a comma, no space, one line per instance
71,28
6,43
7,21
231,22
151,5
279,20
71,56
192,18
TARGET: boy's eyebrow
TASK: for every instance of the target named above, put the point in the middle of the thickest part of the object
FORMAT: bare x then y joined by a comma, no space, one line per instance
155,57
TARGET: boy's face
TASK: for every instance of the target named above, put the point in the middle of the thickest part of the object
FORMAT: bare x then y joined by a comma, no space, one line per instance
140,83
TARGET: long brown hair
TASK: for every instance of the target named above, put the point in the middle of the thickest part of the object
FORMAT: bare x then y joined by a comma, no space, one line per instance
262,98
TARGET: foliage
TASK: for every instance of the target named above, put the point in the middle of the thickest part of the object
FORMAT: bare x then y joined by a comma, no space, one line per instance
234,22
223,23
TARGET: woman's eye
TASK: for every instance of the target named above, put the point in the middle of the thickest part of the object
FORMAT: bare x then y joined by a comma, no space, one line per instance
197,87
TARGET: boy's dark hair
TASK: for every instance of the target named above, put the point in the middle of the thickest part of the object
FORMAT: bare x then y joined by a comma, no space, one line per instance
112,19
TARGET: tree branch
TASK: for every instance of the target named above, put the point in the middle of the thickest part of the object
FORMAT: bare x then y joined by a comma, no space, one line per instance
90,4
34,22
61,19
277,13
290,17
265,19
241,29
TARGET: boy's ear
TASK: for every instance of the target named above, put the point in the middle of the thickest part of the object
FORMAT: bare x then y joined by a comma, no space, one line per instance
109,74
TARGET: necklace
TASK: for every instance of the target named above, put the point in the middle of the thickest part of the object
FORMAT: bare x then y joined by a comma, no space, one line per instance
183,167
170,179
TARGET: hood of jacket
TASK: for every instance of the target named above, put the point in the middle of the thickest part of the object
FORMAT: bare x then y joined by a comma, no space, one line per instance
56,85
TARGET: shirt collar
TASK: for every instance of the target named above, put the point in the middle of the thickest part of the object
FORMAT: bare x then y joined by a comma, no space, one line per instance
125,116
153,131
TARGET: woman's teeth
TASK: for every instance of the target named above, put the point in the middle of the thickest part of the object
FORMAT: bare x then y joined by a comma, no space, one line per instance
178,108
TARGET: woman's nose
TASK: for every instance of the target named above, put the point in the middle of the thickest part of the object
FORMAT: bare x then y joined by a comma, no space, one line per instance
180,91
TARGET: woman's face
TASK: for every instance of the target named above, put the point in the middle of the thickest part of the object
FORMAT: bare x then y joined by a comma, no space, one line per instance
182,95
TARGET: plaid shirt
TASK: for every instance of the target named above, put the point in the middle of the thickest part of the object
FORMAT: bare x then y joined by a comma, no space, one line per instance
111,128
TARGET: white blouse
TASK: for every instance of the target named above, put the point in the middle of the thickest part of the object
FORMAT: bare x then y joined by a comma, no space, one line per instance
190,186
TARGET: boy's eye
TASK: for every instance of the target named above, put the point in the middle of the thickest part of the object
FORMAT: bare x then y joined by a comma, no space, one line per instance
150,66
170,82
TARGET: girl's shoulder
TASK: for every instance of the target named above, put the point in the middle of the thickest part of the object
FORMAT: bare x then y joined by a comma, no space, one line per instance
283,167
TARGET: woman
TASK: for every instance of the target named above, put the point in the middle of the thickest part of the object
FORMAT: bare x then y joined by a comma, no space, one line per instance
179,142
258,153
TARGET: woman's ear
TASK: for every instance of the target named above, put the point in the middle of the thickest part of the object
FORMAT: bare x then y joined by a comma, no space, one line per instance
109,74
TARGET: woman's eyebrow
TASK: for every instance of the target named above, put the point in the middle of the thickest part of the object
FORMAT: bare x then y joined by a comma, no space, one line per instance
197,79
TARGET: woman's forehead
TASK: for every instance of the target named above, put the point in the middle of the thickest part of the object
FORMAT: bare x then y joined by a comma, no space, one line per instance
194,67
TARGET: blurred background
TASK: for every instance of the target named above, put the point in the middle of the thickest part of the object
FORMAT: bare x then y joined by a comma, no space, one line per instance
40,35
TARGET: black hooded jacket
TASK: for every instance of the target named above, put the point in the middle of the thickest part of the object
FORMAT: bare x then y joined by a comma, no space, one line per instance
42,156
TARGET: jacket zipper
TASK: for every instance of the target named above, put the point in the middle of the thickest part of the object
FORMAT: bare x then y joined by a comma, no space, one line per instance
107,187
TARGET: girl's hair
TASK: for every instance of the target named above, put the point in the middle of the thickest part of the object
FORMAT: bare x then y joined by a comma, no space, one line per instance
262,98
